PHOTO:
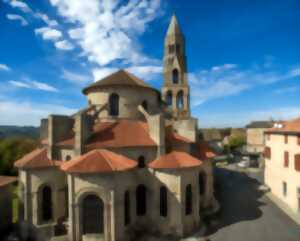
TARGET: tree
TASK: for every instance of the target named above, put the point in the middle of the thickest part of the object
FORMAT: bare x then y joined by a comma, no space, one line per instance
12,149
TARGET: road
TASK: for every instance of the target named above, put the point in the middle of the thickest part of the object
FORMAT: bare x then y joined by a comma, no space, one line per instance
247,214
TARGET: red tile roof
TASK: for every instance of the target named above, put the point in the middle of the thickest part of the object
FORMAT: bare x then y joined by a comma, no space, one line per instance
5,180
35,159
204,152
292,126
124,133
175,159
119,78
174,137
98,161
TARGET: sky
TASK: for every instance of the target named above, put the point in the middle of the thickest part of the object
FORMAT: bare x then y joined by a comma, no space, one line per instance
243,55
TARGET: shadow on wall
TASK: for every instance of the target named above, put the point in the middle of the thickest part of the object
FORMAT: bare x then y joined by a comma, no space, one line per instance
239,197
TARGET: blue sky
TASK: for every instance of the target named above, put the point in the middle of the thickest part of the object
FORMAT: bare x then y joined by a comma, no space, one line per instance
243,56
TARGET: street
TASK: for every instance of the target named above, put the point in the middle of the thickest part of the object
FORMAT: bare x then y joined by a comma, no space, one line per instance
246,214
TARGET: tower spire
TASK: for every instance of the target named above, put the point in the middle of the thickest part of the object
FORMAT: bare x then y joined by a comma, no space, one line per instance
173,26
176,90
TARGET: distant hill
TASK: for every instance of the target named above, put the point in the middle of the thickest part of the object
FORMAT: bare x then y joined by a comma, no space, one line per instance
19,131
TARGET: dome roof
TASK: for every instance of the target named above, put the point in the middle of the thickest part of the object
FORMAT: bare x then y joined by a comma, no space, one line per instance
119,78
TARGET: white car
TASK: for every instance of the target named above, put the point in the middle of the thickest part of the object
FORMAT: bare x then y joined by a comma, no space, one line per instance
243,164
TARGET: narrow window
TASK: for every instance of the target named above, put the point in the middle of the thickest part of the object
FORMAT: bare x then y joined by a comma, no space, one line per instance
188,199
179,100
284,187
66,202
114,104
46,204
177,48
169,98
201,183
141,204
163,202
175,76
298,140
141,162
286,159
145,105
286,140
127,208
171,48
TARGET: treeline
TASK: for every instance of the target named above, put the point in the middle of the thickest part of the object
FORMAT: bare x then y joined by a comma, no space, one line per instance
12,149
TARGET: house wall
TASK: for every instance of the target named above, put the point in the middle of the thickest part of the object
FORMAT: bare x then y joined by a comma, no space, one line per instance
276,173
255,140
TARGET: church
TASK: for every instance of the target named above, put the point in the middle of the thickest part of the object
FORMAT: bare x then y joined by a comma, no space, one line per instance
128,164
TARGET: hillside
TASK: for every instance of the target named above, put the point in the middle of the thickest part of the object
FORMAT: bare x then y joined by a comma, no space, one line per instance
19,131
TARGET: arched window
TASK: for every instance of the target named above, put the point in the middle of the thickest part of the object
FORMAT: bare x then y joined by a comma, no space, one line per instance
46,201
68,157
114,104
188,199
179,100
202,183
163,201
175,76
141,202
127,208
141,162
169,98
92,215
145,105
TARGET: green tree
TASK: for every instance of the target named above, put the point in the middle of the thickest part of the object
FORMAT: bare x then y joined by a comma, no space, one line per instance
12,149
236,141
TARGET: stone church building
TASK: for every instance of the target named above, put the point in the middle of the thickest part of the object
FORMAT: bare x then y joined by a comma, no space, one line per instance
129,163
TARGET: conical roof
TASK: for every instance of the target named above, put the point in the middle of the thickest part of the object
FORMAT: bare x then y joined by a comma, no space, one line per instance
174,26
120,78
175,160
98,161
36,159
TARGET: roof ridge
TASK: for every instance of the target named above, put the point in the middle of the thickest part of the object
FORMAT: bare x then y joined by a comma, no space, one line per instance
103,154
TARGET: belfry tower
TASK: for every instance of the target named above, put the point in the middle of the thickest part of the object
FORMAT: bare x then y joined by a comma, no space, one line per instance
176,91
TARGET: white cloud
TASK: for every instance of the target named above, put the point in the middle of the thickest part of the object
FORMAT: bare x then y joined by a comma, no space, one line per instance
107,30
28,113
64,45
288,90
20,5
146,72
4,67
75,77
229,79
48,33
16,17
46,19
100,73
240,119
31,84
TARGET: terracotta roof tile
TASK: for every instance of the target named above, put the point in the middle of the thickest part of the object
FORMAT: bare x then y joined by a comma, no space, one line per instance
204,152
120,78
5,180
174,137
174,160
292,126
124,133
35,159
98,161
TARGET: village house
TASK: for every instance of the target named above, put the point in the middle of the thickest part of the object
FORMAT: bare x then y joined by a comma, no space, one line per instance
282,162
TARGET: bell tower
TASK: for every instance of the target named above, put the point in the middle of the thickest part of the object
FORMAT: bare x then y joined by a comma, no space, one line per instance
175,91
